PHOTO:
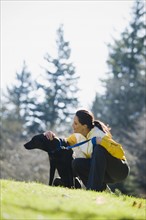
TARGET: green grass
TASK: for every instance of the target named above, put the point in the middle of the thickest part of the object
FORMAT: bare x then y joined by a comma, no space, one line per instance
35,201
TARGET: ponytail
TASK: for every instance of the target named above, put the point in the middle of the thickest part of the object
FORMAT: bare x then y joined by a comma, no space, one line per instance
102,126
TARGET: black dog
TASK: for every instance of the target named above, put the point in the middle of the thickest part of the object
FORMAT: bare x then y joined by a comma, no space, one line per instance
60,159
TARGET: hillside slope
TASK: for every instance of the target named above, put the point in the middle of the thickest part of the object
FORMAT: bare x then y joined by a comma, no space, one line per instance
20,200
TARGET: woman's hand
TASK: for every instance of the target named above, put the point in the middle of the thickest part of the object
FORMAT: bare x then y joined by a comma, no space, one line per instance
50,135
96,140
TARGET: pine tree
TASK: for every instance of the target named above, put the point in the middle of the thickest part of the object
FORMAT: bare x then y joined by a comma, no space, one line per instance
20,100
60,86
124,99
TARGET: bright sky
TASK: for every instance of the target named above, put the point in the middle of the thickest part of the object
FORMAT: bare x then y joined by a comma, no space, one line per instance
28,32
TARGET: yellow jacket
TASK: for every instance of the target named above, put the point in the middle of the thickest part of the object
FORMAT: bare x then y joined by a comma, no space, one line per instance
85,150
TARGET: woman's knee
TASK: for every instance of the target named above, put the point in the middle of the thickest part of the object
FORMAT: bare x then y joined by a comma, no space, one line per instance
98,148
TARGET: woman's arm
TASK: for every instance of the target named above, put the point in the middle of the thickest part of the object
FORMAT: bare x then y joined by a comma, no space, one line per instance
114,148
51,135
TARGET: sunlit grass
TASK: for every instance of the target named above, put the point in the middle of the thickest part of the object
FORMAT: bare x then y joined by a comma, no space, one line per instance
20,200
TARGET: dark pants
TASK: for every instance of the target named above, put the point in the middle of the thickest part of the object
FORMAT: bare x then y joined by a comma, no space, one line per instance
101,169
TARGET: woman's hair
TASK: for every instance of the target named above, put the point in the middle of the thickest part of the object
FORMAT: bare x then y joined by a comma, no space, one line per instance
87,117
102,126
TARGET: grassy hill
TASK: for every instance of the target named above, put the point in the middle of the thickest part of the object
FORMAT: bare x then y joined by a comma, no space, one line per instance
20,200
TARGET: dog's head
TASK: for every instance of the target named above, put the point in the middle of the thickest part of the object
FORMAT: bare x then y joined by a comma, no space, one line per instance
41,142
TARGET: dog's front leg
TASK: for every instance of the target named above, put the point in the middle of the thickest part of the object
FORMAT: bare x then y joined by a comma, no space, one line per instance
52,169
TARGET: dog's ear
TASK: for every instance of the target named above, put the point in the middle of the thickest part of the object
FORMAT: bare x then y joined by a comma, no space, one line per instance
50,146
53,145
